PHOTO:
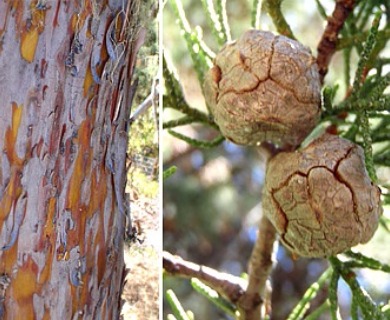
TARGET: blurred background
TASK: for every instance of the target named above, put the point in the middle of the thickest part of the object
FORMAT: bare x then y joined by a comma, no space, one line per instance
212,204
141,291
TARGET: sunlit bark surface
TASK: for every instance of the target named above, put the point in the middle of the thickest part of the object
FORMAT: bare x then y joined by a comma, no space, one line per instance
65,73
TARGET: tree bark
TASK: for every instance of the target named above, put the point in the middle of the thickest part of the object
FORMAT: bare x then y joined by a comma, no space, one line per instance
65,75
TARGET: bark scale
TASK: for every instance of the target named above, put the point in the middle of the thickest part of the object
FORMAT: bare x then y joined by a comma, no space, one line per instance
65,74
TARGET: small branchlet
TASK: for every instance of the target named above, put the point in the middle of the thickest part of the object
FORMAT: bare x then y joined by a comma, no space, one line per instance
255,14
198,143
174,99
222,16
361,299
213,297
178,122
167,173
365,56
273,7
362,114
177,308
327,45
304,304
200,57
333,297
228,286
214,22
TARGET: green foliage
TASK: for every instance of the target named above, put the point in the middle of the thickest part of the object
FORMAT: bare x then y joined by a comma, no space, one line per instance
360,298
198,143
214,20
142,140
362,113
366,101
303,305
169,172
177,309
213,297
274,9
147,61
255,17
142,136
174,99
333,295
367,98
356,104
146,70
143,184
198,50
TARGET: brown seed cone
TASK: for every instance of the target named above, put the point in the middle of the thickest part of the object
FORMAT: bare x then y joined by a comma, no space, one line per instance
320,199
264,87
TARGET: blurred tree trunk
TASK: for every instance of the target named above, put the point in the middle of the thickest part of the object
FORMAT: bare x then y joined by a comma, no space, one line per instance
65,73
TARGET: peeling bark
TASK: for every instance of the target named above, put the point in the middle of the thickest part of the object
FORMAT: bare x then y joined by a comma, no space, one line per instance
65,73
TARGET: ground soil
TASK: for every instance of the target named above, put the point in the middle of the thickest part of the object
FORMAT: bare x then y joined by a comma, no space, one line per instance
141,292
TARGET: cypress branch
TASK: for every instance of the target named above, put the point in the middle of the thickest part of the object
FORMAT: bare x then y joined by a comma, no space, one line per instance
304,304
222,16
198,143
273,7
213,296
334,309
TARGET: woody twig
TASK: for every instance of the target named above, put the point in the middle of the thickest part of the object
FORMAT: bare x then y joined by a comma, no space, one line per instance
227,285
327,45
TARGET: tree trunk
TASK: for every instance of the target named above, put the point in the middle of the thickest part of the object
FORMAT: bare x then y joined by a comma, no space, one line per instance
65,73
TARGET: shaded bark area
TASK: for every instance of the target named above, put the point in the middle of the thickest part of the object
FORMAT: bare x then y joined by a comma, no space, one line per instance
65,73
